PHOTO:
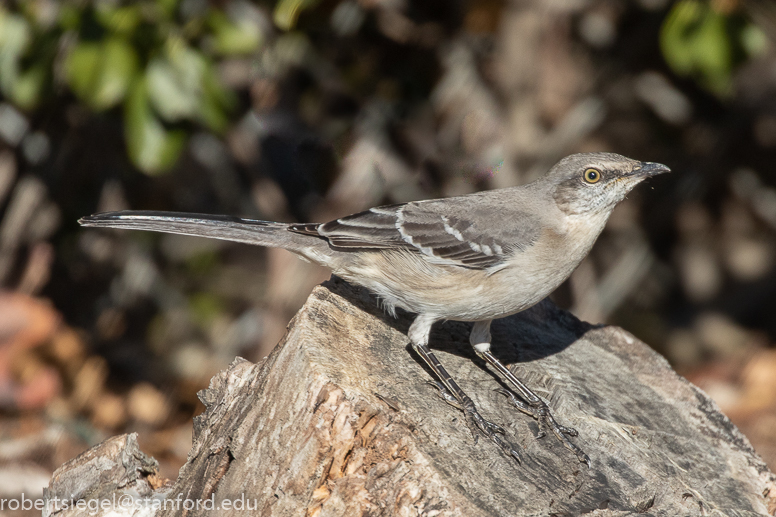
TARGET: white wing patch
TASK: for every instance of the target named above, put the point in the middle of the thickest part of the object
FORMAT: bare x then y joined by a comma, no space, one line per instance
440,252
452,231
407,237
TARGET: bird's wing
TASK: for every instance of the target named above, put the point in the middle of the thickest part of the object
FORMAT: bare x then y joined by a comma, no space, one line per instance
462,233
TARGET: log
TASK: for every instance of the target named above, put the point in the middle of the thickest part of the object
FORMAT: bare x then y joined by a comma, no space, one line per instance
341,419
109,471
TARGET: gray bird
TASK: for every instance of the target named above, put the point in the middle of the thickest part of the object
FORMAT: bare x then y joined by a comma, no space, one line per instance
469,258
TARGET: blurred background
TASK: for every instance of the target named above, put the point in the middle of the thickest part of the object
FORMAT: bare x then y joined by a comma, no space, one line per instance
306,110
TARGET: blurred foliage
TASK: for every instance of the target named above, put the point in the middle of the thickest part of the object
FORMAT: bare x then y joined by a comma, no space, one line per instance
156,58
287,12
205,307
707,40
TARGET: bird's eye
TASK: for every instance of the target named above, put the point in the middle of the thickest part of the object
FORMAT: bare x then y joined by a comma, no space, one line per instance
592,176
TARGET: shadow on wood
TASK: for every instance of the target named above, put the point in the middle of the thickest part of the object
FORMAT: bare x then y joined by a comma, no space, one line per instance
341,420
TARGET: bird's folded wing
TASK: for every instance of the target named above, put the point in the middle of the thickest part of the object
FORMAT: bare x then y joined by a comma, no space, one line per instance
461,234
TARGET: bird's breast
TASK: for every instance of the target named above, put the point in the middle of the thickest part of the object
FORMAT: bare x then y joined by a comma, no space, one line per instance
533,274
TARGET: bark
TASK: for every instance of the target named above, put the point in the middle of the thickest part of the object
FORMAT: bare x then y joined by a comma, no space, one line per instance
341,419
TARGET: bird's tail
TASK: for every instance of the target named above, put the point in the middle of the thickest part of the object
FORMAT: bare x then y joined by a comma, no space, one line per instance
229,228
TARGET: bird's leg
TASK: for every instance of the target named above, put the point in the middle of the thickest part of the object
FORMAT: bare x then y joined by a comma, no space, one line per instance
452,393
530,404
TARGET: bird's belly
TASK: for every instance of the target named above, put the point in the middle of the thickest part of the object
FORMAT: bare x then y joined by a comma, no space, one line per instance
454,293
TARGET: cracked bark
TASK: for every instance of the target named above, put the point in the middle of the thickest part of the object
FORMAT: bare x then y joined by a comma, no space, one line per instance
340,420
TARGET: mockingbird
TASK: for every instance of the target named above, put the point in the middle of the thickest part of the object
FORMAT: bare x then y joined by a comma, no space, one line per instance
470,258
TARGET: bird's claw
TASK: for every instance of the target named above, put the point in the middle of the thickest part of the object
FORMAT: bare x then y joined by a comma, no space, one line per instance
541,412
478,425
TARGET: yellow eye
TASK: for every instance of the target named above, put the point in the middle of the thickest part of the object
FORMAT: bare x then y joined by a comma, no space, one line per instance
592,176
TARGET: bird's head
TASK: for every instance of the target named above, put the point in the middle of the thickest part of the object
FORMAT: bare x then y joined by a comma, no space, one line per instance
595,182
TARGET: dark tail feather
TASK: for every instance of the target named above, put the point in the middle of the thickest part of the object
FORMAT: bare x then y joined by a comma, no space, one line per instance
229,228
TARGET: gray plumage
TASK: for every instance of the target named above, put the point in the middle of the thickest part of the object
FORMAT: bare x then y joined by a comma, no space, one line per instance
472,258
454,231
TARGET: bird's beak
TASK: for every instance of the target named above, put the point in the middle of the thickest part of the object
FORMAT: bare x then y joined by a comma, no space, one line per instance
647,169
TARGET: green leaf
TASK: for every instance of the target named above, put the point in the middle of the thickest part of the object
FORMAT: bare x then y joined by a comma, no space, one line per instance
81,68
23,87
167,8
15,33
232,37
695,42
69,17
216,103
15,38
119,20
28,87
100,73
183,86
287,12
151,147
175,91
754,40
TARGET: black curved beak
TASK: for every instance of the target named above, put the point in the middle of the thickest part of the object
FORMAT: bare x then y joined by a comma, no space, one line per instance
647,169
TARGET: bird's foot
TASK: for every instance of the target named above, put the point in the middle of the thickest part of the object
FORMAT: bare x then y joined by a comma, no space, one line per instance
541,412
477,424
494,432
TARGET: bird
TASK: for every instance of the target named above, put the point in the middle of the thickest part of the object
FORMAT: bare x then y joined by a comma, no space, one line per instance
473,258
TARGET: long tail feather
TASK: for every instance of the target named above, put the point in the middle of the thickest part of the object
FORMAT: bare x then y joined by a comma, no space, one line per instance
230,228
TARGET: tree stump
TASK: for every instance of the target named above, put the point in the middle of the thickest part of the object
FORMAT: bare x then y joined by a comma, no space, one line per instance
342,419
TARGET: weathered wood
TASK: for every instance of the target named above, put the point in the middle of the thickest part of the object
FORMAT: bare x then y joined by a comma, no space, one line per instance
115,470
341,420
